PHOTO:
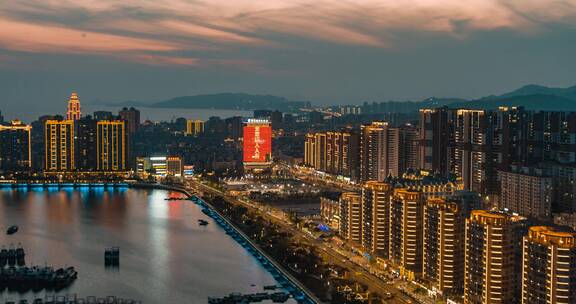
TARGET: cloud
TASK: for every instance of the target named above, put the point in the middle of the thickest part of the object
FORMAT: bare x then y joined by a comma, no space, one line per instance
149,59
157,30
28,37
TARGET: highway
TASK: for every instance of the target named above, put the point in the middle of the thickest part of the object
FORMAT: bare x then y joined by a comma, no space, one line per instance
357,272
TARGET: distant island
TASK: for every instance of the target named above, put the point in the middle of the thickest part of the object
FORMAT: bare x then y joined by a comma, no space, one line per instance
235,101
532,97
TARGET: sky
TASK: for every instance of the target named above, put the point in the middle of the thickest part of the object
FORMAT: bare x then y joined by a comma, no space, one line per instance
327,51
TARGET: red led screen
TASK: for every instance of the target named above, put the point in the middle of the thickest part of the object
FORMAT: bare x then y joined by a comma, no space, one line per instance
257,143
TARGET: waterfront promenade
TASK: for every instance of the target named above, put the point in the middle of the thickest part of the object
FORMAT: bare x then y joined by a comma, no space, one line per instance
358,272
297,289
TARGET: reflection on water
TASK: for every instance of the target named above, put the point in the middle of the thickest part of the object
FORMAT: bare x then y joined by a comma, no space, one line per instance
165,255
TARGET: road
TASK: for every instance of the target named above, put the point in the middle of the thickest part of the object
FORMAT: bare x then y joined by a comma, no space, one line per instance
357,272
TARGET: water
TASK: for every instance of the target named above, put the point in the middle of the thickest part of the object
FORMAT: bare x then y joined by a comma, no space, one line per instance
166,257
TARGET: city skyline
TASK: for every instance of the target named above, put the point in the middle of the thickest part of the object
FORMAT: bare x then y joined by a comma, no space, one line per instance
359,51
288,151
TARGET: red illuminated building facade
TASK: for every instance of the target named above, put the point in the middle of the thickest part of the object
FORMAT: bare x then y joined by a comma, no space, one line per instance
257,150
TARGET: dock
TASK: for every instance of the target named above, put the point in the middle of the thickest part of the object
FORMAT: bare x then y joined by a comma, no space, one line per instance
74,299
236,298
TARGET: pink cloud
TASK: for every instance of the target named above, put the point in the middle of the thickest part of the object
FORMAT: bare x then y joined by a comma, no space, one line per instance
154,30
28,37
149,59
207,32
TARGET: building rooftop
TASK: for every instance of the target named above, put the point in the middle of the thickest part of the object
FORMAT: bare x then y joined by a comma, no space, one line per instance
552,236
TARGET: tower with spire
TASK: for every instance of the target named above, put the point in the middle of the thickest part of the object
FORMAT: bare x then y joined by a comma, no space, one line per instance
73,112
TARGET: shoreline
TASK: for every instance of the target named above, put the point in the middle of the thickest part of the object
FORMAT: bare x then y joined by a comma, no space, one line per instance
297,285
16,185
309,297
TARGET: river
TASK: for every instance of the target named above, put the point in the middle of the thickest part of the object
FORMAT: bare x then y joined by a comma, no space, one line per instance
166,257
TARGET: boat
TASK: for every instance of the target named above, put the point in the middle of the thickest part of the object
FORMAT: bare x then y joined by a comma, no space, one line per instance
112,256
202,222
12,230
279,297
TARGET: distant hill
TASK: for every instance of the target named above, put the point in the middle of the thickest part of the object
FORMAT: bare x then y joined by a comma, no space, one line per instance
237,101
532,97
530,102
569,93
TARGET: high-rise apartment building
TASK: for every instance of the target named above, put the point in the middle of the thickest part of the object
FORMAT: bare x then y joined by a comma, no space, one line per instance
330,212
551,137
563,187
387,151
373,151
406,231
111,145
15,147
526,191
320,152
333,146
375,218
351,217
85,144
310,150
59,146
485,142
472,160
549,266
132,118
276,119
477,144
73,111
194,127
492,257
333,152
436,137
410,145
443,251
233,127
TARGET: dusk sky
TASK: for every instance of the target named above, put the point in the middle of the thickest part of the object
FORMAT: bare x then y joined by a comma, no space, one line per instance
330,51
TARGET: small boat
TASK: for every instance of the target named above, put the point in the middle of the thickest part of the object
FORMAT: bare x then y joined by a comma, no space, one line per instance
12,230
202,222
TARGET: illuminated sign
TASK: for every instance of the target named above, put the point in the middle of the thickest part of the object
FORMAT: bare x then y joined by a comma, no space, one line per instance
188,171
257,141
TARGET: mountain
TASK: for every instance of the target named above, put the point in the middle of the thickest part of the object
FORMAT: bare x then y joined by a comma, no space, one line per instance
530,102
532,89
531,97
237,101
